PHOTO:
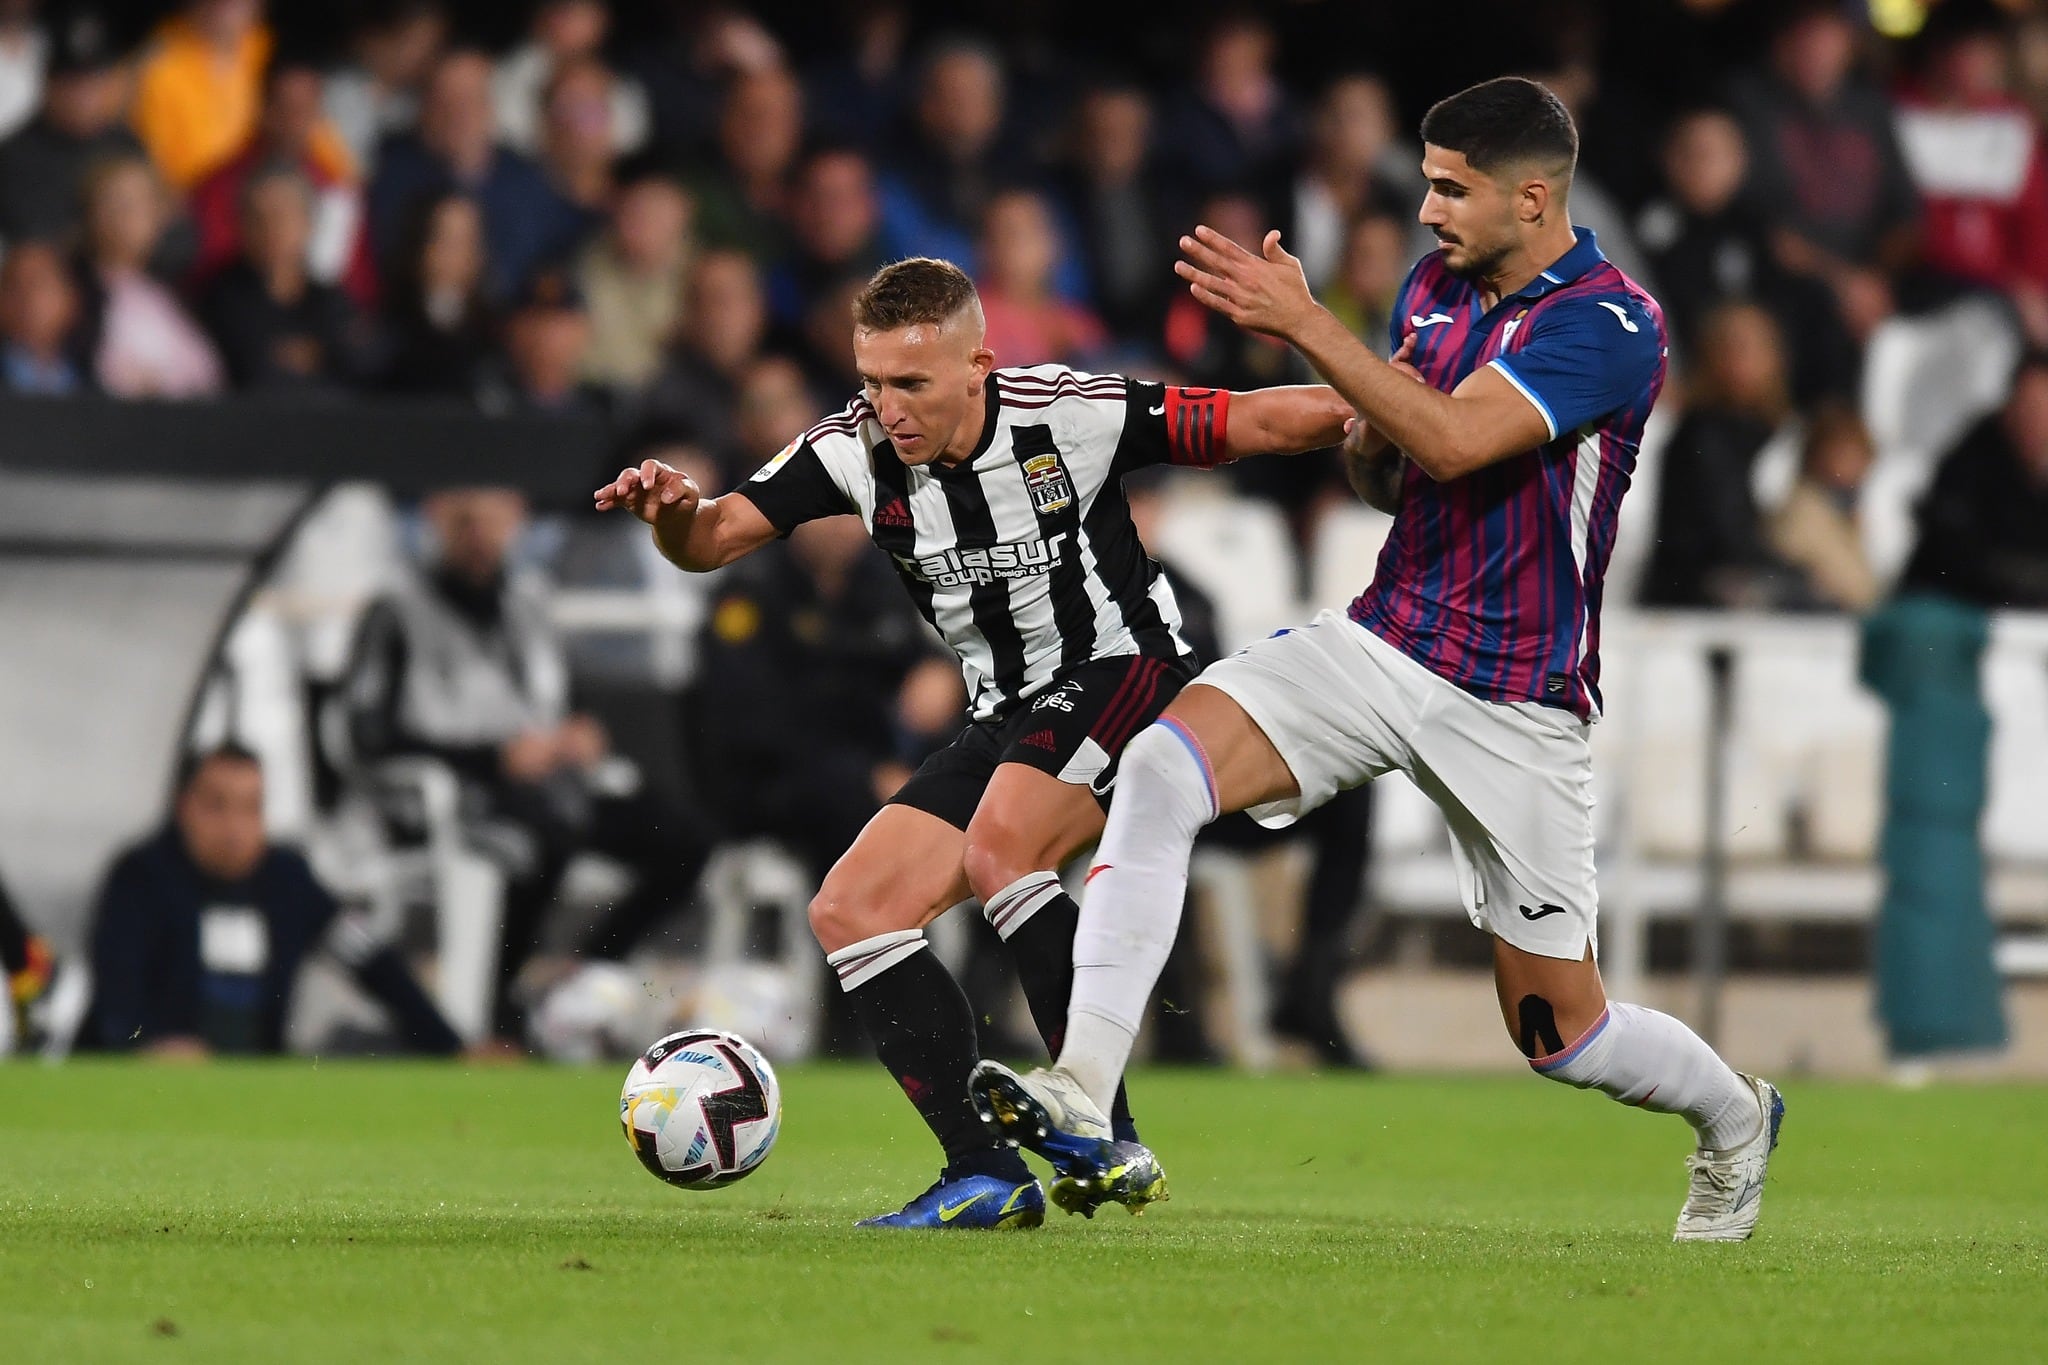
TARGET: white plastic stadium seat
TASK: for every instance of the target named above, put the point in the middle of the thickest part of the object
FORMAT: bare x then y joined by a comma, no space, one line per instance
2016,692
1344,554
1237,551
1927,378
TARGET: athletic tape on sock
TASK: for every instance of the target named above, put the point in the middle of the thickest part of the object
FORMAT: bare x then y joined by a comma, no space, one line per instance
1010,908
860,963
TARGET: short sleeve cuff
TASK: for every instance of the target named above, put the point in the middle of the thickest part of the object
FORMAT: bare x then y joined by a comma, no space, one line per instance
1549,422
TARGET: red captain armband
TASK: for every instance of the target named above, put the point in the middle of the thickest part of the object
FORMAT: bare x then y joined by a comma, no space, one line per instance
1196,422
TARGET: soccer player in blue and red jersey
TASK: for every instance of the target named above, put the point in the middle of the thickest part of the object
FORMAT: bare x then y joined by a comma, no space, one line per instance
1471,662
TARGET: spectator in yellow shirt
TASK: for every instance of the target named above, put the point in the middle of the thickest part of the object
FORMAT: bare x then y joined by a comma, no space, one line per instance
200,88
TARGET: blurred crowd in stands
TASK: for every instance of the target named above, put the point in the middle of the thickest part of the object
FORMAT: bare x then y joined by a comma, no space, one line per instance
656,214
664,227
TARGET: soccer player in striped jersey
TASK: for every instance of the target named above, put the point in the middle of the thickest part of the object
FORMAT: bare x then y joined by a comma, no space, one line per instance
1471,662
996,493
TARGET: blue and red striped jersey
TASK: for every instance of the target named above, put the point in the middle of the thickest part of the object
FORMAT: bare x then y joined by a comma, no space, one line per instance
1493,580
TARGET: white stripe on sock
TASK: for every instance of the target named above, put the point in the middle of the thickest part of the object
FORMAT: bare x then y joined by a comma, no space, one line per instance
1010,908
860,963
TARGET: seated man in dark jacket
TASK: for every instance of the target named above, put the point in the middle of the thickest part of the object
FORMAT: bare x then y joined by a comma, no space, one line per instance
460,662
201,930
1984,522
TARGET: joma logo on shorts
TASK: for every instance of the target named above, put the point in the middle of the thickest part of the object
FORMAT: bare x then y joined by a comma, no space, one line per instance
994,563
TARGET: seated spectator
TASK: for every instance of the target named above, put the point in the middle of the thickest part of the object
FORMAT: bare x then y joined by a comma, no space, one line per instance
199,85
563,32
950,161
547,336
140,341
689,61
857,85
461,664
819,691
1110,194
1208,349
1709,246
1977,158
1369,277
743,196
201,930
1710,549
1815,530
23,52
38,318
775,406
1826,175
443,330
1344,175
1027,323
828,340
834,225
632,279
279,329
1233,125
376,93
1576,83
576,139
525,221
43,164
1984,521
699,379
289,132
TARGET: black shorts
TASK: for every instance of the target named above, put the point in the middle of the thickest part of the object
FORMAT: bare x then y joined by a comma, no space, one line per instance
1073,728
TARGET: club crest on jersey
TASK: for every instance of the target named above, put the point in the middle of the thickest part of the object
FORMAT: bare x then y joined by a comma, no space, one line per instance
1051,489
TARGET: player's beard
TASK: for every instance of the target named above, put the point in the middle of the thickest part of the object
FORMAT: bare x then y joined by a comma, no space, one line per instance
1477,264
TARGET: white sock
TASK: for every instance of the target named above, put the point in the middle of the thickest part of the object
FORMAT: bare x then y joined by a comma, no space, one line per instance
1012,907
1650,1060
859,963
1130,911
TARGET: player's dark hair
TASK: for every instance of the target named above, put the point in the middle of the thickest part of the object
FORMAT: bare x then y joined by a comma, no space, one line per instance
909,292
193,761
1510,121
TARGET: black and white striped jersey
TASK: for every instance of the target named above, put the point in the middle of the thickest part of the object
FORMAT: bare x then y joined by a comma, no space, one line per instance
1023,557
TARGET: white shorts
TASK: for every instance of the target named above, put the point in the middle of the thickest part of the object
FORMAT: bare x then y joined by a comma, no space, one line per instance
1513,779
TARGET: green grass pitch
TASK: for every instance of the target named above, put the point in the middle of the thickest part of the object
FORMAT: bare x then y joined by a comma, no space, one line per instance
371,1212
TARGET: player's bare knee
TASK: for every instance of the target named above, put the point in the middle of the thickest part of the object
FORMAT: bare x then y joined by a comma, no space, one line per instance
996,856
1148,758
842,916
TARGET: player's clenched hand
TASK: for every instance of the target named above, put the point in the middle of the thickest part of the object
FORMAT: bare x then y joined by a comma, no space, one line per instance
1400,359
1265,293
650,492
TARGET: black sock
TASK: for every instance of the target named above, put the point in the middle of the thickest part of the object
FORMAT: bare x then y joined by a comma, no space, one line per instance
923,1030
1043,949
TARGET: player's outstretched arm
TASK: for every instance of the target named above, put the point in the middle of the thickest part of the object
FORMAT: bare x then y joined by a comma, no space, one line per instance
692,531
1285,421
1446,434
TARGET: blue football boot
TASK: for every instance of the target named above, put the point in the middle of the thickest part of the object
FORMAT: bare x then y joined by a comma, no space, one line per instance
989,1203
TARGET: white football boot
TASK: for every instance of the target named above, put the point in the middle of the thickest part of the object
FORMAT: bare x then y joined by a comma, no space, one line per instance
1727,1190
1047,1111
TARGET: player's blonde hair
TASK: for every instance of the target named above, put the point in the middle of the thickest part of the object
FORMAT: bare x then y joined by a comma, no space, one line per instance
918,290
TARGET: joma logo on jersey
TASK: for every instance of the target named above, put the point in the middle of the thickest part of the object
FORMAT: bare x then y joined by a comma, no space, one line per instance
994,563
1051,489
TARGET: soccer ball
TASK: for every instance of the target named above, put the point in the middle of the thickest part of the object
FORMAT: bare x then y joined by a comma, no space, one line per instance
701,1108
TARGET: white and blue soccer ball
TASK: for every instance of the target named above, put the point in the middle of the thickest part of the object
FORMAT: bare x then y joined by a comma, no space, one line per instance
701,1108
